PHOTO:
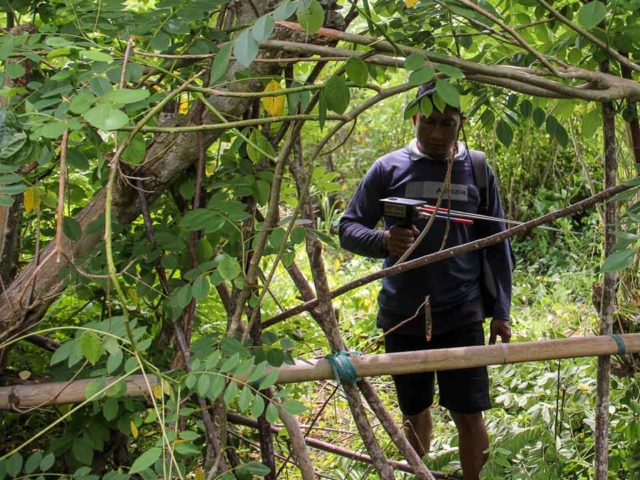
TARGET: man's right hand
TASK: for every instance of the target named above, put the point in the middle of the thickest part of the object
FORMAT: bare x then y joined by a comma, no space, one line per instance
397,240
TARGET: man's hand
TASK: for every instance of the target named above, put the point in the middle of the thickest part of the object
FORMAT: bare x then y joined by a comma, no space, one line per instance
499,328
397,240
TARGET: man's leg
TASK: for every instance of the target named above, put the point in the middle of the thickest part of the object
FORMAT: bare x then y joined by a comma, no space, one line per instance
473,442
418,430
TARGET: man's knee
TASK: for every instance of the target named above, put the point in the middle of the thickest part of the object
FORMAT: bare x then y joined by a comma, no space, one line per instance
469,422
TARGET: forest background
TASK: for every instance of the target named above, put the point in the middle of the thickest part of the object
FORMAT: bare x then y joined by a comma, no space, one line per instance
171,178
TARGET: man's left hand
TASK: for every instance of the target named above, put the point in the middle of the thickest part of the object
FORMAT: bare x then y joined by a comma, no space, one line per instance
499,328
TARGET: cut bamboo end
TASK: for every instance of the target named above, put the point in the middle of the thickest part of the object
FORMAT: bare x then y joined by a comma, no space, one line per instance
21,397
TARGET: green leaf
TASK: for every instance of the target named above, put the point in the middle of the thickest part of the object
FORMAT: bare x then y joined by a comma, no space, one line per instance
269,380
110,409
14,464
230,363
14,70
257,407
526,108
136,150
263,28
47,462
97,56
538,116
145,460
284,10
200,288
294,407
203,384
54,130
33,462
221,62
63,352
450,71
414,61
504,133
114,361
257,372
357,71
231,392
183,296
160,41
245,48
246,397
106,117
557,131
271,414
426,107
216,388
422,75
257,468
244,367
591,14
91,347
336,94
590,123
310,16
82,451
618,261
448,92
81,102
228,268
71,229
259,147
125,95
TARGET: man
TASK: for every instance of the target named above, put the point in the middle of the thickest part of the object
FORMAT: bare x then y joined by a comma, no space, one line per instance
454,286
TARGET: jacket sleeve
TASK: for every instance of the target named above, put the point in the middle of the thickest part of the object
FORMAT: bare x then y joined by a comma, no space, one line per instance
357,226
499,255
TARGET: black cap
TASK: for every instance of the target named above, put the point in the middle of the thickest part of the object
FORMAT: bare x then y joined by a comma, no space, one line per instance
427,89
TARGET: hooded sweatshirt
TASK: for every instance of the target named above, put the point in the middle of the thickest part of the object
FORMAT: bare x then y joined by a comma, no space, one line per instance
453,284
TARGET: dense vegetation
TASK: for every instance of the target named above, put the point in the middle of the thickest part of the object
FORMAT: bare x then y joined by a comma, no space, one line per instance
171,176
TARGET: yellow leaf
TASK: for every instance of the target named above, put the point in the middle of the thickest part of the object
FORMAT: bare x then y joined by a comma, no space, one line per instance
134,430
199,474
166,387
411,3
583,387
274,106
336,264
31,199
157,391
24,374
183,109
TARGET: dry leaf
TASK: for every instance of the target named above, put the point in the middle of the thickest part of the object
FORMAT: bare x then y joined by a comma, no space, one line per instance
274,106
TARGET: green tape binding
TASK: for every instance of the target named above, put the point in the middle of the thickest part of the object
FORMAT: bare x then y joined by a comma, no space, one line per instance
343,369
621,348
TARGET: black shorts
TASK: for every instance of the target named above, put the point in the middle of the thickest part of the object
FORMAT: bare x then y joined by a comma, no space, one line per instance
461,391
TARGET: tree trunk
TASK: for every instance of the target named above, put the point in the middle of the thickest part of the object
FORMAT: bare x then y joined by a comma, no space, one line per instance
608,294
168,157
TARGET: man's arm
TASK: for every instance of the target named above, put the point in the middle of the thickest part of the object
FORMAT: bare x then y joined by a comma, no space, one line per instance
499,258
357,226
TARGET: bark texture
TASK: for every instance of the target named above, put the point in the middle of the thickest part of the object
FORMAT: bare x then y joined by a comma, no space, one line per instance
608,296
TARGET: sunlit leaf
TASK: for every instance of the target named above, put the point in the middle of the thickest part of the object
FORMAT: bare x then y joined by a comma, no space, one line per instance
274,106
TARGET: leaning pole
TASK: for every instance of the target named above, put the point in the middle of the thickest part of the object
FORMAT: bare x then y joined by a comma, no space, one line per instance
22,397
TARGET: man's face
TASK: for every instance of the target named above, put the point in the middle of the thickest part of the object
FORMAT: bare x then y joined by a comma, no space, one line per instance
438,133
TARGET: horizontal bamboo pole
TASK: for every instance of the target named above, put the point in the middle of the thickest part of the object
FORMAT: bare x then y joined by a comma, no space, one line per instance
28,396
21,397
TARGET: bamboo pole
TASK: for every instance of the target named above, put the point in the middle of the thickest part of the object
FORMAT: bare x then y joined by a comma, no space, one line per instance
25,396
